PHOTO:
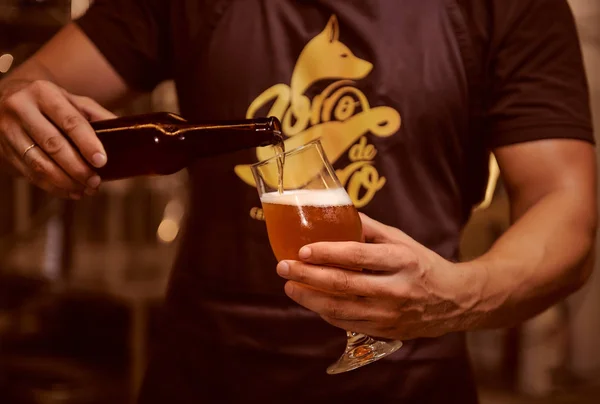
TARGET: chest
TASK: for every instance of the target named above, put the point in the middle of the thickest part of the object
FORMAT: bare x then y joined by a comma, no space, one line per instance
250,57
382,83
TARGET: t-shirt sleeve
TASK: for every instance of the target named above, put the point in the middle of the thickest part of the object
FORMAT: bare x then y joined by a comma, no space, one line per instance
133,35
538,85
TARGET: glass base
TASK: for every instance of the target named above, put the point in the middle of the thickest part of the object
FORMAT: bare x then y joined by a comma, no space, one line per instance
362,350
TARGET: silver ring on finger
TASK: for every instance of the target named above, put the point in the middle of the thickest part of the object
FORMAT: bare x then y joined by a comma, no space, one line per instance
27,150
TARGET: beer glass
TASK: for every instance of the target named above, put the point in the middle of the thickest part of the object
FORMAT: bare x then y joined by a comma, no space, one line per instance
313,207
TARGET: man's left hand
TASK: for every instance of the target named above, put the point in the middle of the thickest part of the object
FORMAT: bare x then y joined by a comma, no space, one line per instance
389,287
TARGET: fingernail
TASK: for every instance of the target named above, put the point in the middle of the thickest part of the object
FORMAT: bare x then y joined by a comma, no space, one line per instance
304,253
283,269
75,196
94,182
98,160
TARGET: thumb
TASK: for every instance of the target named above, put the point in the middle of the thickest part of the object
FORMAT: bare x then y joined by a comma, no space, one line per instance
378,233
90,108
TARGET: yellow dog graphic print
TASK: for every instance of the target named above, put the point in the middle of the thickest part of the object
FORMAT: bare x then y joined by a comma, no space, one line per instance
340,115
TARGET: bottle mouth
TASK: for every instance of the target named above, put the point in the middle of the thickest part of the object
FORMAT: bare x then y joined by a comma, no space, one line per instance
275,125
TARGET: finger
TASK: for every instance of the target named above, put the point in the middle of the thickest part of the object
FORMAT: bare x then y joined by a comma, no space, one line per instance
42,183
42,171
376,257
37,166
89,108
334,280
377,232
334,306
56,146
68,119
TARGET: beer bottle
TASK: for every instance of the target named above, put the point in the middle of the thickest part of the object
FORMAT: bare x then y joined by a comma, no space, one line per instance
164,143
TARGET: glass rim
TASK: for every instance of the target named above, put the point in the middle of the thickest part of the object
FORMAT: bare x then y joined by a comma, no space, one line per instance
287,153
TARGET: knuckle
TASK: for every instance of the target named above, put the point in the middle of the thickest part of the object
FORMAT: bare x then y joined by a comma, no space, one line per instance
358,255
81,172
398,294
54,144
70,123
412,261
85,100
385,250
421,271
302,274
383,291
333,310
341,281
40,86
37,167
390,318
13,102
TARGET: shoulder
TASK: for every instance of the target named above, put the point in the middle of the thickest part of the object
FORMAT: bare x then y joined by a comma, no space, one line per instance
493,19
492,24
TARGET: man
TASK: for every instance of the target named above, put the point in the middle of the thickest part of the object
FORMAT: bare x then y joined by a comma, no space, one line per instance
417,94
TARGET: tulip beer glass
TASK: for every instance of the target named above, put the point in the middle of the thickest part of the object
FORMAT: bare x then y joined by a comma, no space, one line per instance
310,205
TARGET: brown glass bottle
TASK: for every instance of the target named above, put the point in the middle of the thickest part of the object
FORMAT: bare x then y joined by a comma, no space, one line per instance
164,143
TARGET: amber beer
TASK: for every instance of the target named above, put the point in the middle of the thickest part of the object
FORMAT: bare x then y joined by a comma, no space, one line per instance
164,143
314,207
297,218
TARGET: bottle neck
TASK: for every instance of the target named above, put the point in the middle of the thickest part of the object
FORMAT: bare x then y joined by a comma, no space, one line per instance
225,135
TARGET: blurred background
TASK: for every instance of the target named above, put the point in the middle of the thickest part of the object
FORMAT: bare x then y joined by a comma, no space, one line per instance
81,283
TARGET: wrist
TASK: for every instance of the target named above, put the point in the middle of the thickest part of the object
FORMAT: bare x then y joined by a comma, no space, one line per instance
11,85
481,294
492,293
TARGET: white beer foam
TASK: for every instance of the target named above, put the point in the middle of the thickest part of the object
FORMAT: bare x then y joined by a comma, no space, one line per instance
313,197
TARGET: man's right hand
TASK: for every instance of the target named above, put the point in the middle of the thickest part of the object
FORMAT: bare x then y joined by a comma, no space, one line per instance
36,118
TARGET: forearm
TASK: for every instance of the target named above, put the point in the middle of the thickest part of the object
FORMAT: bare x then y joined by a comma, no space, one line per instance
545,256
31,70
71,61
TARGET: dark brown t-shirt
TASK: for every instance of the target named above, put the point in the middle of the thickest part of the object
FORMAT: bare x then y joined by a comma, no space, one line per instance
410,96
